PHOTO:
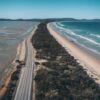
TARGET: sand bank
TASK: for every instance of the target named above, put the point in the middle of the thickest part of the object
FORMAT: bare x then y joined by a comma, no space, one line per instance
89,61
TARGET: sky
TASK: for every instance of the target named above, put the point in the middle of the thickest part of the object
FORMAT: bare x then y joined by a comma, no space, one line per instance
26,9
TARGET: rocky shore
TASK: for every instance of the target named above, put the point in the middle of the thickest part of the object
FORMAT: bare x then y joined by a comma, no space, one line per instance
59,76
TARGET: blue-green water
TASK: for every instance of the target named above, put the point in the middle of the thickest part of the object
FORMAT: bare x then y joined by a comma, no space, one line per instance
87,34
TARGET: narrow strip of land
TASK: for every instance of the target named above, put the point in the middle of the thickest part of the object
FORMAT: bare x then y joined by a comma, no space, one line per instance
25,83
90,61
59,76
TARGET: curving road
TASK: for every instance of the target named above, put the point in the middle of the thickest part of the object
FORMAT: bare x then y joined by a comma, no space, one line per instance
24,90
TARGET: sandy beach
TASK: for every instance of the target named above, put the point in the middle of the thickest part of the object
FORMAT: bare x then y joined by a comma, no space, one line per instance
90,62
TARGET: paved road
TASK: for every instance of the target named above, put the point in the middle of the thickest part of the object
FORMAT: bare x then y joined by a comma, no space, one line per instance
24,89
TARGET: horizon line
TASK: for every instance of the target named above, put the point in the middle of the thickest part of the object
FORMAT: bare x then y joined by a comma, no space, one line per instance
50,18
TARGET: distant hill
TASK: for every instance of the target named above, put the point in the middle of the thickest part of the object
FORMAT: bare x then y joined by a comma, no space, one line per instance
51,19
95,20
20,19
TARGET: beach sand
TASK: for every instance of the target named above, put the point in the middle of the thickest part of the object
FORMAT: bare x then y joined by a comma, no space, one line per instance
88,60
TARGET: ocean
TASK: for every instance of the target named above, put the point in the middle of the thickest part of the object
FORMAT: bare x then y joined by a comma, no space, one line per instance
11,34
86,34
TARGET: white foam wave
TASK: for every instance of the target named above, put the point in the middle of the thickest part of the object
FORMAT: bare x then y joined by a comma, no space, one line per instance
88,39
60,24
83,37
98,36
65,30
68,31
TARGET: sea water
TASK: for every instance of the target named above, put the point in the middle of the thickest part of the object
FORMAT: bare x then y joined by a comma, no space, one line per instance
87,34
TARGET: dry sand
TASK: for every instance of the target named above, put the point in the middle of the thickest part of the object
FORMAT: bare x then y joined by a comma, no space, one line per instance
89,61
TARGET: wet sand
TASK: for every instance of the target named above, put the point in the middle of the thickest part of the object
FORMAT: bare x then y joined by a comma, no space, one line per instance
85,58
11,70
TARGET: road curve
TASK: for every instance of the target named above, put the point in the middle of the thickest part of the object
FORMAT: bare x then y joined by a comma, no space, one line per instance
24,89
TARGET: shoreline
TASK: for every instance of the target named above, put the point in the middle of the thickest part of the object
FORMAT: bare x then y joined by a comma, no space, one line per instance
19,55
58,74
7,80
17,67
94,53
89,61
